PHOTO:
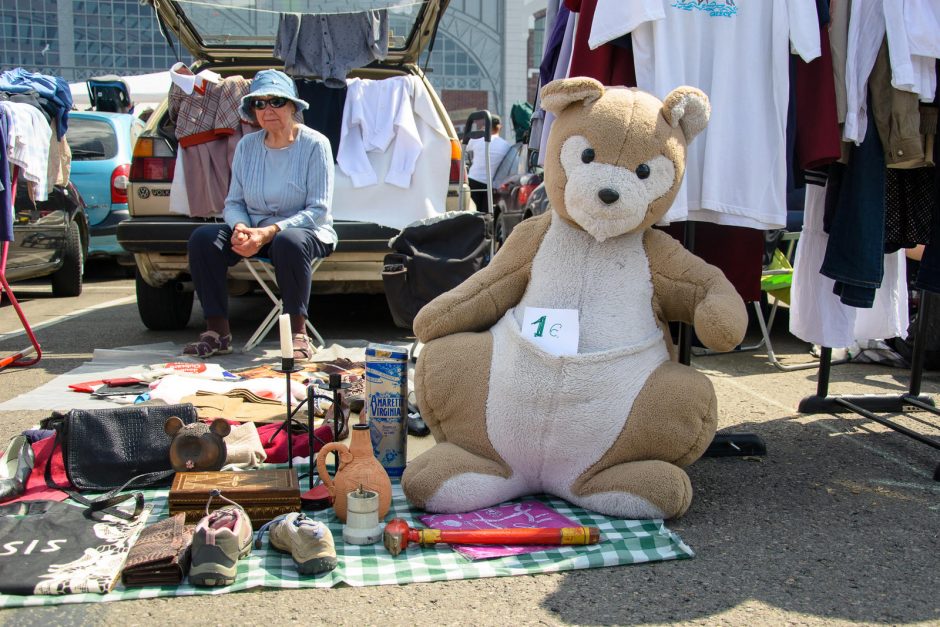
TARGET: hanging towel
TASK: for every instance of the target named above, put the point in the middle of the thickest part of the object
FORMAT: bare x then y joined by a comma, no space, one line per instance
329,46
28,146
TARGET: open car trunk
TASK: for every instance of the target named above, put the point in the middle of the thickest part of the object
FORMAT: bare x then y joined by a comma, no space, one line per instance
226,30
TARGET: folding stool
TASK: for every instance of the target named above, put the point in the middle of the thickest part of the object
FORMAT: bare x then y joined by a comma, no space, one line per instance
268,283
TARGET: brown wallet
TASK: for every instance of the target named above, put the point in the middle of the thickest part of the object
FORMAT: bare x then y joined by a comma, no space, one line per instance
161,554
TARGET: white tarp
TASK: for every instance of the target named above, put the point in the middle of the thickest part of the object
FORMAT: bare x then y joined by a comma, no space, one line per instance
145,89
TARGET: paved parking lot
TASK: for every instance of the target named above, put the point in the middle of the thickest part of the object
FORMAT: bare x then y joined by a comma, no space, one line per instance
839,523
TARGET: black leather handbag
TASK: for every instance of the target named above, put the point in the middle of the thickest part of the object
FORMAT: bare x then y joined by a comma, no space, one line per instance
114,449
432,257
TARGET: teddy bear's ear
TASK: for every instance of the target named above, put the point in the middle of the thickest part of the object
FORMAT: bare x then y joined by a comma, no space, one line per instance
558,95
172,425
687,107
220,427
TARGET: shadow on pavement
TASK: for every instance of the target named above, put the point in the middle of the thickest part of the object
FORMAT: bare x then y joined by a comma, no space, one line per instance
836,522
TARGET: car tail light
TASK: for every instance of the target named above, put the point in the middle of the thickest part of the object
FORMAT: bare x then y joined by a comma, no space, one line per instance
455,161
153,161
119,181
525,191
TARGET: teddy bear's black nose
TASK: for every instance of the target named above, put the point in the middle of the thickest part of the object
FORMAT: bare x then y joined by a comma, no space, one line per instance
608,196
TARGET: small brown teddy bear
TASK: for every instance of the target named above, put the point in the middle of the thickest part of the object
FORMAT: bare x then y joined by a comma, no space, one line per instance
611,426
197,446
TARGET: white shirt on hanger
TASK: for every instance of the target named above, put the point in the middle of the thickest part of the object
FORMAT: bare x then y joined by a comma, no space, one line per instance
738,53
913,29
866,32
376,113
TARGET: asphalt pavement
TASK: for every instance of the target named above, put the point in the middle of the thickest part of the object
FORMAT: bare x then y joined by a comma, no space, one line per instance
839,523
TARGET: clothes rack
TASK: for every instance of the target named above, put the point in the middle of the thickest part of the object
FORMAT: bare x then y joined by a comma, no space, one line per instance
21,358
867,405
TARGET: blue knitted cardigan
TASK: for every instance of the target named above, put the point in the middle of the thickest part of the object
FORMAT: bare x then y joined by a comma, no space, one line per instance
307,189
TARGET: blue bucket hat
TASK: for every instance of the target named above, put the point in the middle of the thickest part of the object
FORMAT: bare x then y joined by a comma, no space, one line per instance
271,83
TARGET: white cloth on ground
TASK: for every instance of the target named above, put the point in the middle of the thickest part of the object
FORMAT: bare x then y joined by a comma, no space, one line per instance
172,388
244,450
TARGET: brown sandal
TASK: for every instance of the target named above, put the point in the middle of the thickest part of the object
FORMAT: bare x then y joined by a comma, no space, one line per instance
303,350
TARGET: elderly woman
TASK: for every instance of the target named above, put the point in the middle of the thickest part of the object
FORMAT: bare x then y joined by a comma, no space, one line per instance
278,206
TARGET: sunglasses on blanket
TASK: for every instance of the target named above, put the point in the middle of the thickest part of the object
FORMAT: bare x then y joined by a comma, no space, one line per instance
258,104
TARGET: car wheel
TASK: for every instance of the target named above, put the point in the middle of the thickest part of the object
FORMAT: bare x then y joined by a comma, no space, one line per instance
164,308
499,230
67,280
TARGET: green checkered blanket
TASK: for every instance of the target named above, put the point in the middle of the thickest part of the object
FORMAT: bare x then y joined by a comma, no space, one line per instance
622,542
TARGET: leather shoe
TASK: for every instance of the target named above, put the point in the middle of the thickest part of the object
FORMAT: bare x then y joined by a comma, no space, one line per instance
15,467
416,425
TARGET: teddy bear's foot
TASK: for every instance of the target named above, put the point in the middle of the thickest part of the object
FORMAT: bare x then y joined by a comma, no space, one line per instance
449,479
637,490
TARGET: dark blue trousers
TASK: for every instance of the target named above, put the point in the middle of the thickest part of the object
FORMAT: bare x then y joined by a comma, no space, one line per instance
855,252
291,252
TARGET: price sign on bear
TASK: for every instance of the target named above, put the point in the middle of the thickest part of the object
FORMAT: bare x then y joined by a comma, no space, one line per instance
555,331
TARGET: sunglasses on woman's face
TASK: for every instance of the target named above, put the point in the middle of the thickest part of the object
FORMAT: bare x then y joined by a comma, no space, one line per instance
258,104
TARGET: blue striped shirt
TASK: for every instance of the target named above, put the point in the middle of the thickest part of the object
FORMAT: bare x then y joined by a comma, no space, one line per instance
306,186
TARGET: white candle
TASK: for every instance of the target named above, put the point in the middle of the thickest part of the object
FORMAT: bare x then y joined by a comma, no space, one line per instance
287,344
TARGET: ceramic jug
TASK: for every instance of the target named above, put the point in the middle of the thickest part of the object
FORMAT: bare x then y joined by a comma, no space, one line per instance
357,467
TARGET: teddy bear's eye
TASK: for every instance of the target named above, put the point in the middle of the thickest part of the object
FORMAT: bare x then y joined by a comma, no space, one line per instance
588,155
642,171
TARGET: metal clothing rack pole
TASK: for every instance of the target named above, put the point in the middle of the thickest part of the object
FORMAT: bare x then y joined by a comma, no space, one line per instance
866,405
723,444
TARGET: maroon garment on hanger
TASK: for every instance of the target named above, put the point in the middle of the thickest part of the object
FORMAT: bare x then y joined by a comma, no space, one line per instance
610,64
736,250
818,137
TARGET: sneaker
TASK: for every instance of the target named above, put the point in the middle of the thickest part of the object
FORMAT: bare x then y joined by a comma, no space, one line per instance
209,343
308,541
220,540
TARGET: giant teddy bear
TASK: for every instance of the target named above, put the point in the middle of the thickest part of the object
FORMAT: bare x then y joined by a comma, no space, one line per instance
611,427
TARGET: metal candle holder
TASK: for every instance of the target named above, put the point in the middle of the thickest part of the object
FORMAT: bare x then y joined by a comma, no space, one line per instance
288,367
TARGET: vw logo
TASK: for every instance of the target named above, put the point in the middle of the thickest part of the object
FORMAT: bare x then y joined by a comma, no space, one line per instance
143,192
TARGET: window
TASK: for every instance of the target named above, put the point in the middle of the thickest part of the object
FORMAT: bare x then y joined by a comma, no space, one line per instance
91,140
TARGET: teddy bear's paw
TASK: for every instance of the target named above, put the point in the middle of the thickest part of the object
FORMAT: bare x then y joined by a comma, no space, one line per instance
721,323
637,490
449,479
